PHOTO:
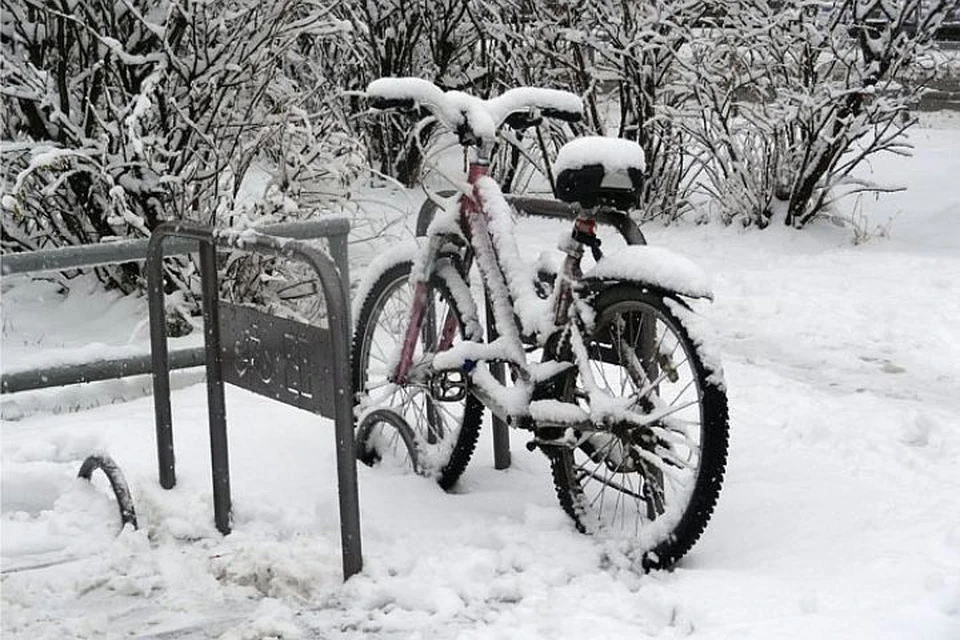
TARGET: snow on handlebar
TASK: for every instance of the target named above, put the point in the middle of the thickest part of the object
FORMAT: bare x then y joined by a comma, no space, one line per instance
457,109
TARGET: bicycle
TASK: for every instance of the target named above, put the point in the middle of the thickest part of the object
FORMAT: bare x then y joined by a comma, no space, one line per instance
627,399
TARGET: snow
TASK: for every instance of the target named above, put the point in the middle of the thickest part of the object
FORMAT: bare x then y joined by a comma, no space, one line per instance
838,516
34,338
656,266
614,154
377,267
522,98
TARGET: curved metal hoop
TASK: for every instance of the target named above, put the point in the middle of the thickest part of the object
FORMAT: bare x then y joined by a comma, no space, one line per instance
392,418
117,482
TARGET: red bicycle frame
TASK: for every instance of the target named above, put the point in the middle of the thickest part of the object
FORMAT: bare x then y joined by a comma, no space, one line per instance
478,168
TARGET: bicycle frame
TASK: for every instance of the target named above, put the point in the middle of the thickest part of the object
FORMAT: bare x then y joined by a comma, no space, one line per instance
473,221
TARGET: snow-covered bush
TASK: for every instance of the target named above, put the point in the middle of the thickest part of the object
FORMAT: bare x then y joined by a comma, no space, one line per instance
431,39
635,48
119,115
784,103
523,44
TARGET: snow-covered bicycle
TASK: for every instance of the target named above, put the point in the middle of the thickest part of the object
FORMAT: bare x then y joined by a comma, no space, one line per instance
609,369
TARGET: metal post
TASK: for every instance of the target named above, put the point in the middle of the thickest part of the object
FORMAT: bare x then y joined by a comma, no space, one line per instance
216,405
96,370
159,362
338,251
338,310
501,432
120,251
338,317
183,236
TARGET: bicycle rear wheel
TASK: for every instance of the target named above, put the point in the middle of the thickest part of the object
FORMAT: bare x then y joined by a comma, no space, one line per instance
442,413
651,488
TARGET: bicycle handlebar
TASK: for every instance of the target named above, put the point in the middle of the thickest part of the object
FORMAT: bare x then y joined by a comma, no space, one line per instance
464,113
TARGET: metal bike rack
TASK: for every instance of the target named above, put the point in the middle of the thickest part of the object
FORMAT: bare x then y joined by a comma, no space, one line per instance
542,208
333,228
297,364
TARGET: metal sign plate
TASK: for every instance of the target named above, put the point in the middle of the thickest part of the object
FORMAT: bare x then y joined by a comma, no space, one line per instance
278,358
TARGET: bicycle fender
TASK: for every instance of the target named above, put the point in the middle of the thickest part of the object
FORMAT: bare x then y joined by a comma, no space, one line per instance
654,267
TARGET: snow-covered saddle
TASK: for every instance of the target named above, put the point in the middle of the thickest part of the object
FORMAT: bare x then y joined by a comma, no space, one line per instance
596,170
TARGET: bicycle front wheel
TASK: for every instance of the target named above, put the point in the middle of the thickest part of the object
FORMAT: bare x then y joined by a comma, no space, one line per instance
438,406
651,487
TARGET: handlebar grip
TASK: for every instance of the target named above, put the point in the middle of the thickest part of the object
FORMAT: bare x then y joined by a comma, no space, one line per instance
559,114
520,120
404,104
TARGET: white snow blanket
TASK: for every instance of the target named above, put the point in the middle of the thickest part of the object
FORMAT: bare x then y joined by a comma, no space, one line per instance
837,520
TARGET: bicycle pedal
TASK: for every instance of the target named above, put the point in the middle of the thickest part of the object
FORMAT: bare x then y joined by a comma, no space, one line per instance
551,437
449,386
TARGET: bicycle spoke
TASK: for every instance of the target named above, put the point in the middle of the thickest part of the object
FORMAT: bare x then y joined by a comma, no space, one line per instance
606,481
651,454
682,391
653,384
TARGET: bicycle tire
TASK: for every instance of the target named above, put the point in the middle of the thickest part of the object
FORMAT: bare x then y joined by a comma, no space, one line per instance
445,436
666,520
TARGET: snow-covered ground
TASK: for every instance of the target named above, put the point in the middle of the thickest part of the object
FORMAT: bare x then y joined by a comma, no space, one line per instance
839,517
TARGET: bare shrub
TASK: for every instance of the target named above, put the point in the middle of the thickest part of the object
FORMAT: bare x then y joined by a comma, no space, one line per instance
786,103
119,115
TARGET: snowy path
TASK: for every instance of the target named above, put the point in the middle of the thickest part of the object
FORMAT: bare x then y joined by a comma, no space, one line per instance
838,518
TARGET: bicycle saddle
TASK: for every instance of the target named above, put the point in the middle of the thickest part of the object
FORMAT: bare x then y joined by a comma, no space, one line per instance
597,170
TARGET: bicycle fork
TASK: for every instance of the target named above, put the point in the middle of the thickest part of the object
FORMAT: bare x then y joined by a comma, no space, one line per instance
417,329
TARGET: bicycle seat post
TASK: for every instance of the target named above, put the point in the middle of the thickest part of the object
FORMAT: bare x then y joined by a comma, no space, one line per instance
570,272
